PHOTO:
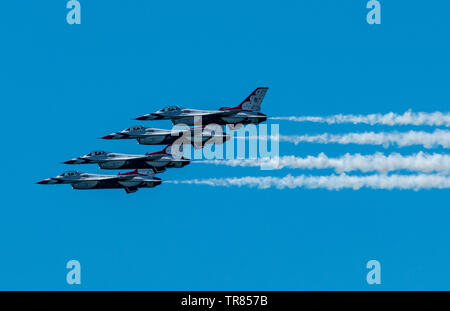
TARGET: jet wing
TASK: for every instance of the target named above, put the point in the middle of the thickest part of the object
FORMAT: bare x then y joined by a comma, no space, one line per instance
166,157
106,178
159,133
230,112
127,158
154,156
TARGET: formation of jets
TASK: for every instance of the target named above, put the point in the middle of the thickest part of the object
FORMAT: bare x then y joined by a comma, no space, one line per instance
145,167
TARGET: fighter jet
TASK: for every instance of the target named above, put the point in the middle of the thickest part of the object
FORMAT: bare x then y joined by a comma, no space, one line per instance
130,181
196,136
246,113
159,160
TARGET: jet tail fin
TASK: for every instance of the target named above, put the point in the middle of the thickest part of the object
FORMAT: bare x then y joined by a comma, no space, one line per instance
252,102
166,149
175,150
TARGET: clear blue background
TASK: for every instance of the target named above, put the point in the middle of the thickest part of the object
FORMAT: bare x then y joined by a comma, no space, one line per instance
62,86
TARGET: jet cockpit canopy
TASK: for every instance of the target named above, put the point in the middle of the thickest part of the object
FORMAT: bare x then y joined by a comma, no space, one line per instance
70,173
96,153
170,108
135,128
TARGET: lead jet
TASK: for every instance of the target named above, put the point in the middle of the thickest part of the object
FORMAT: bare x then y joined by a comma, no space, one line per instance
130,181
159,160
197,136
246,113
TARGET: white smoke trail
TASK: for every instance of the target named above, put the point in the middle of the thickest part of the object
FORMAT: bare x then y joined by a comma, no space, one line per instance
408,118
332,182
400,139
419,162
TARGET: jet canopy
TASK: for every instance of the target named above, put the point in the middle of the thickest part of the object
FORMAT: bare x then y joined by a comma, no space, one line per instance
135,128
169,109
71,173
96,153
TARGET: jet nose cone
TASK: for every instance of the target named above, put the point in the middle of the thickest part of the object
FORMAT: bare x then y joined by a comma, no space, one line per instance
226,137
141,118
109,136
43,182
70,162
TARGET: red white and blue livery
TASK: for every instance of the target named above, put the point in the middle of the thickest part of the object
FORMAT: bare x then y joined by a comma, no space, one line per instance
248,112
159,160
197,136
130,181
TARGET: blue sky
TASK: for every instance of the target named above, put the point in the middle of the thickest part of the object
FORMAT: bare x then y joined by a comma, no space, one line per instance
65,85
